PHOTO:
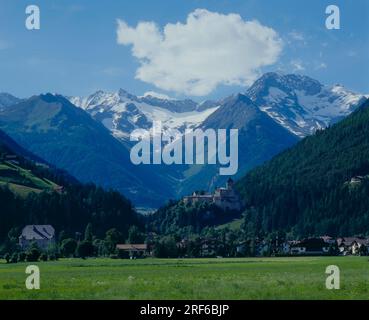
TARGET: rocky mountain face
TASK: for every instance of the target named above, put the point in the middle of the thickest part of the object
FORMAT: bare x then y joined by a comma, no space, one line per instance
7,99
301,104
90,136
67,137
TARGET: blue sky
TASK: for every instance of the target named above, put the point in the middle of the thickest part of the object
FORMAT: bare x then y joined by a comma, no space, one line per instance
76,51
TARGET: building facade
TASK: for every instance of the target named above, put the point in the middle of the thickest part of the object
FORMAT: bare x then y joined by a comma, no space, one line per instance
42,235
225,198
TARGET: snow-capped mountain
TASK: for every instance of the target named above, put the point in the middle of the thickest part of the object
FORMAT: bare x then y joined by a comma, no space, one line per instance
122,112
301,104
272,115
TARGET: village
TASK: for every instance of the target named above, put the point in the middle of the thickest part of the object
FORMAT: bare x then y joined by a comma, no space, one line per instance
205,245
44,236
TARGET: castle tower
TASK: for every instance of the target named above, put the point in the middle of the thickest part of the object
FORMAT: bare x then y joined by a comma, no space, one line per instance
230,184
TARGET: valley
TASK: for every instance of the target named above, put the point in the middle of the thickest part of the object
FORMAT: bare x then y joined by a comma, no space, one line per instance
271,116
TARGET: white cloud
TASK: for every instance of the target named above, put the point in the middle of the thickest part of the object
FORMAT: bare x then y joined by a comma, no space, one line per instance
208,50
321,65
298,36
297,65
157,95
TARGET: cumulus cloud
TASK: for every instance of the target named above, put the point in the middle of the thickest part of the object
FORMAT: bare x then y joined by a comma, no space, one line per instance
207,50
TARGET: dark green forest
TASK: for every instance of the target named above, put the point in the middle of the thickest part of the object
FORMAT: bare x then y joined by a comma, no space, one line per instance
184,219
307,190
69,211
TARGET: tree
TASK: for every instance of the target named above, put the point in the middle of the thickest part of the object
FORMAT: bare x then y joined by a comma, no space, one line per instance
68,247
112,238
14,258
134,235
33,254
21,256
7,257
363,250
43,257
166,248
62,236
88,233
85,249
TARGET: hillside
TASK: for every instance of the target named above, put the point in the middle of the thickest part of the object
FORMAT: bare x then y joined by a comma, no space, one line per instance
24,173
273,114
22,181
68,138
35,193
259,139
319,186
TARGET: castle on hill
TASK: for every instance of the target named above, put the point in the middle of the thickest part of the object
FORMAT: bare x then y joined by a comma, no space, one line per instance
225,198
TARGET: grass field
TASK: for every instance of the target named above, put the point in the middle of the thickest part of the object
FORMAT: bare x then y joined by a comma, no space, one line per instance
243,278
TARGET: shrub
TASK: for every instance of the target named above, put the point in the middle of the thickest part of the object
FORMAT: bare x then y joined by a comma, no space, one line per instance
68,247
33,255
85,249
52,257
43,257
7,257
21,256
14,258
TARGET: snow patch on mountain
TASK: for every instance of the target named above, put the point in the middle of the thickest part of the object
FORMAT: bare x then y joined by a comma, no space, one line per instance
301,104
122,112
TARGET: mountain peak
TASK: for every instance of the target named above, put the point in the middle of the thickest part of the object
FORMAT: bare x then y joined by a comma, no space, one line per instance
286,82
126,95
6,100
300,103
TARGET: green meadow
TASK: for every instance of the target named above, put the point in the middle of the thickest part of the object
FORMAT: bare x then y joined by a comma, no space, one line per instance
239,278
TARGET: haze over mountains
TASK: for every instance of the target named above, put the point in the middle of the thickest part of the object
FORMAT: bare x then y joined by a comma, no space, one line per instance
89,136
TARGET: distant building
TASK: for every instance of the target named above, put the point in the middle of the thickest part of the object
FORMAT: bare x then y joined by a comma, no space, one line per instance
42,235
311,246
135,250
351,245
226,198
356,180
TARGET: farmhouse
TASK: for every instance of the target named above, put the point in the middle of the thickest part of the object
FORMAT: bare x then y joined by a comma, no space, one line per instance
226,198
42,235
311,246
134,250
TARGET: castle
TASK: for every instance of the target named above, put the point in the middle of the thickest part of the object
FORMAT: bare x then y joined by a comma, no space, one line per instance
226,198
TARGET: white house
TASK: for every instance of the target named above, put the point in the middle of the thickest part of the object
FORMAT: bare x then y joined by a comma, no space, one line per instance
42,235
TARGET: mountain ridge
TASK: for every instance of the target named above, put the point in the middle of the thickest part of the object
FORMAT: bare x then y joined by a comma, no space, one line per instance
319,186
277,121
